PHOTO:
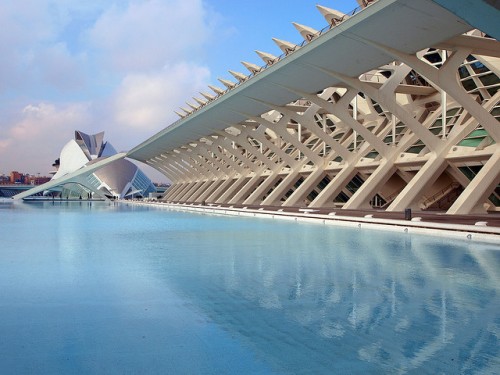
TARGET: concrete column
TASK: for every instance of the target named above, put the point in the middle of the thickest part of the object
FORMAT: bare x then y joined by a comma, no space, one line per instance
477,192
305,188
361,198
335,186
428,173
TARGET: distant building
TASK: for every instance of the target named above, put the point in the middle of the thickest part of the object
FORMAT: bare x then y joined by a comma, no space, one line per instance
37,180
121,179
16,177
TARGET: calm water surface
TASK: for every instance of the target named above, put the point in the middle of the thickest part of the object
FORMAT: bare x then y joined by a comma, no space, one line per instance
113,289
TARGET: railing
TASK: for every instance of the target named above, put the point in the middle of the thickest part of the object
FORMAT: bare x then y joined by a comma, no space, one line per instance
440,194
388,199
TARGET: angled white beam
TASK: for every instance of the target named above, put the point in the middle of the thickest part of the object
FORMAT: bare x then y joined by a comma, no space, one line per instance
258,133
313,128
334,187
425,135
477,192
75,176
444,78
477,45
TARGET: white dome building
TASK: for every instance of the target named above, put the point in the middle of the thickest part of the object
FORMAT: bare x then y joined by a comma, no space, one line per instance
120,179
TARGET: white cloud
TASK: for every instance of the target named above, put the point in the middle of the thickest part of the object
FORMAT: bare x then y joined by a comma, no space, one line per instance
147,101
24,25
41,118
146,35
95,66
59,68
35,135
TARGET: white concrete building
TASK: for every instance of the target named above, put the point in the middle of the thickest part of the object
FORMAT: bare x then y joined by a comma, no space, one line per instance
120,179
394,106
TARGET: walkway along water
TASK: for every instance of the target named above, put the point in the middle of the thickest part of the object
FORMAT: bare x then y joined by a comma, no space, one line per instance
483,228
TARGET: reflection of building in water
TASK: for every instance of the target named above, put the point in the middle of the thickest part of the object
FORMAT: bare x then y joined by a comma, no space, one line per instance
395,303
120,179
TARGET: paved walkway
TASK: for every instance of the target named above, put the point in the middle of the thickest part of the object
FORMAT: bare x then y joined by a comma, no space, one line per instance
484,228
491,220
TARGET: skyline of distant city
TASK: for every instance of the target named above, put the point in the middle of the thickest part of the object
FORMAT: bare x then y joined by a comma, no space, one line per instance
38,179
16,177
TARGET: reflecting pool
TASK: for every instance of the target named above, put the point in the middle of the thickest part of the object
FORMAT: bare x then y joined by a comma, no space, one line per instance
89,288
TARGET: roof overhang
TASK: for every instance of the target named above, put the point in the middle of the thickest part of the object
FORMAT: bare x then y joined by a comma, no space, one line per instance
405,25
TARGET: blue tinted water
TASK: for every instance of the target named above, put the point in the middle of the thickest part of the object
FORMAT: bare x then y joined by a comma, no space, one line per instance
103,288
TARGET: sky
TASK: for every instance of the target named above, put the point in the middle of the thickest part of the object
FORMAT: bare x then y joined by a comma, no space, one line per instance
124,66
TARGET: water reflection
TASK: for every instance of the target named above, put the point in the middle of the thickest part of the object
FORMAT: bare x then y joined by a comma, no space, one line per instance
126,288
309,298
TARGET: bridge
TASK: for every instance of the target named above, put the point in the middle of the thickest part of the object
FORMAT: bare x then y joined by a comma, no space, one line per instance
8,191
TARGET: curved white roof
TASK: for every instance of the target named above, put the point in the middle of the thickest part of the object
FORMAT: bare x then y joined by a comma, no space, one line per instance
343,49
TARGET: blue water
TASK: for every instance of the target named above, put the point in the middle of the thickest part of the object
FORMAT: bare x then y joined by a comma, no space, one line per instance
114,289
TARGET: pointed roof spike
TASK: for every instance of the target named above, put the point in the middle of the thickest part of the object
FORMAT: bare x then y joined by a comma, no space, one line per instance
364,3
227,83
267,57
254,69
192,105
179,114
186,110
199,101
239,76
216,89
285,46
208,96
308,33
332,16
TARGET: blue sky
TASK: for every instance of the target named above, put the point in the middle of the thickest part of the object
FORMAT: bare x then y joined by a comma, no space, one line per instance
124,66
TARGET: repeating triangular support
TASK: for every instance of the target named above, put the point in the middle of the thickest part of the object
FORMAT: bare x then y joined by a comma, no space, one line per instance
227,83
365,3
254,69
199,101
332,16
285,46
239,76
207,96
216,89
308,33
268,58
